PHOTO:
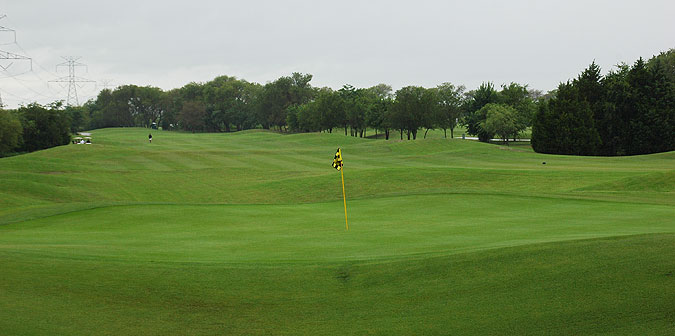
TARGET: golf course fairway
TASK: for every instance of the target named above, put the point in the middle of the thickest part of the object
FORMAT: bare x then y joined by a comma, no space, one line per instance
244,234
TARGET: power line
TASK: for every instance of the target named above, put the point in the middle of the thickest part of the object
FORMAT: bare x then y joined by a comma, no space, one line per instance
31,89
34,61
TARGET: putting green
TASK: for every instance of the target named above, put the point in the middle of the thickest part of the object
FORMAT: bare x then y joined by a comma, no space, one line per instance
383,228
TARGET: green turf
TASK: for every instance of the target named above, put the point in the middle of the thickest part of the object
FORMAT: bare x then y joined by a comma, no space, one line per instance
244,233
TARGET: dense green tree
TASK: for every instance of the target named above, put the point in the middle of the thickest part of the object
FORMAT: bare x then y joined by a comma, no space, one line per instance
276,97
412,109
449,107
485,94
357,104
545,130
629,111
192,116
273,104
519,98
592,90
301,91
377,116
575,131
192,91
502,120
652,128
79,117
292,119
329,108
665,60
613,119
244,106
99,111
145,105
171,104
308,117
11,132
225,100
44,126
353,115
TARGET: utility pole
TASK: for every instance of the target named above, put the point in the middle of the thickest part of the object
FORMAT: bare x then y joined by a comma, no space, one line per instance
72,80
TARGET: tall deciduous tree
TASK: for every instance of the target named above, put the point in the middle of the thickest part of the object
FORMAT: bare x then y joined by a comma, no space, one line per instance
329,107
449,107
519,98
377,115
502,120
485,94
44,126
145,105
412,109
277,96
193,116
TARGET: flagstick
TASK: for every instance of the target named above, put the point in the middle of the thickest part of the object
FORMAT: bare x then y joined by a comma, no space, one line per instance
344,198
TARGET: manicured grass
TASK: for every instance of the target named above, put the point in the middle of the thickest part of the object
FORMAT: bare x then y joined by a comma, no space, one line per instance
244,233
618,286
310,233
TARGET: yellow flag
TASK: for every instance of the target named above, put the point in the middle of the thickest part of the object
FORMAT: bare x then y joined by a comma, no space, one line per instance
337,164
337,161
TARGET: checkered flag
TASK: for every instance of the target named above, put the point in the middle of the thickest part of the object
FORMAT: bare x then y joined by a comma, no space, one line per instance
337,161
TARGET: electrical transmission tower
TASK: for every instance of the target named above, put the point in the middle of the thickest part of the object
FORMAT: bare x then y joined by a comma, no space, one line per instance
9,56
72,80
107,83
6,55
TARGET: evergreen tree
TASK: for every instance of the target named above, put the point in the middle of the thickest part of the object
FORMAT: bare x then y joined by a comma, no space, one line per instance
571,120
616,113
652,128
545,130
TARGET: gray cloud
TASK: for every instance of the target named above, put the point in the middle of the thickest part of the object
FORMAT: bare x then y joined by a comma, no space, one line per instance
363,43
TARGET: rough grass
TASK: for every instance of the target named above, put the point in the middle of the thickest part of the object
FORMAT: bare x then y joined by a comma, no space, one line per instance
244,234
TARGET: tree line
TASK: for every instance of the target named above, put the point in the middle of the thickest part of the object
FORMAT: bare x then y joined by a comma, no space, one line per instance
628,111
289,103
292,104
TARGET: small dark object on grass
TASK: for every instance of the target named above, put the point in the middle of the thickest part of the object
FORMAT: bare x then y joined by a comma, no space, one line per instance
543,162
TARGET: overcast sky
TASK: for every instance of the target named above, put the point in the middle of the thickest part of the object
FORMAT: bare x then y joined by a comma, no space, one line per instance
169,44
